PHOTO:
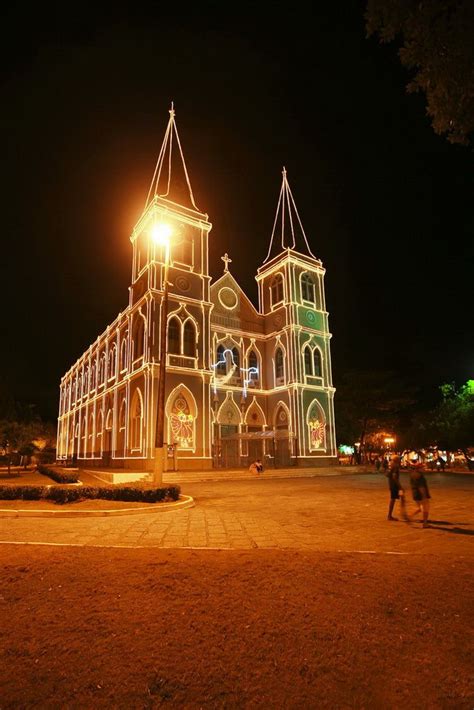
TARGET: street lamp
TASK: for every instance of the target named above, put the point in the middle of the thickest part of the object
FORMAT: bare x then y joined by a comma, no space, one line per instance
160,235
388,441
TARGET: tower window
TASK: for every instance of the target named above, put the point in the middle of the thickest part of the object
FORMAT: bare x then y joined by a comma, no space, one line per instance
308,364
174,328
189,339
276,289
182,251
317,363
308,290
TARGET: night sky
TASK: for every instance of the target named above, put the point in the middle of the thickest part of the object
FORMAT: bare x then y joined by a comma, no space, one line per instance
386,204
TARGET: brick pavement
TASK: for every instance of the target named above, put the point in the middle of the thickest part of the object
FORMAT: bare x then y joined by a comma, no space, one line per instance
344,513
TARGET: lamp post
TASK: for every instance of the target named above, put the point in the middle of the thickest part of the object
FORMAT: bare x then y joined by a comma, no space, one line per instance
161,236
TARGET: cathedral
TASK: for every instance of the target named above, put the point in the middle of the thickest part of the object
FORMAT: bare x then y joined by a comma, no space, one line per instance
240,383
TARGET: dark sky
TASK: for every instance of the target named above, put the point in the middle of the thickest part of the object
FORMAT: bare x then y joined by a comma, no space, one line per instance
386,204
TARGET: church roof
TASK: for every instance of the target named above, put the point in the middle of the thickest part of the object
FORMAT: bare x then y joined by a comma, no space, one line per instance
170,178
288,231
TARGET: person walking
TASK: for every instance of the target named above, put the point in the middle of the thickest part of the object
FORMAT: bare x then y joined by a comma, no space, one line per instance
420,491
396,489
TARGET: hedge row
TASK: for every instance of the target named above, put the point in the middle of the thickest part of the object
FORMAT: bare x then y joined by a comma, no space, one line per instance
57,475
71,495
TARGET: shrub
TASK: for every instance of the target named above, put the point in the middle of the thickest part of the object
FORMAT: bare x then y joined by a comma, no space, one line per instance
62,495
57,474
23,492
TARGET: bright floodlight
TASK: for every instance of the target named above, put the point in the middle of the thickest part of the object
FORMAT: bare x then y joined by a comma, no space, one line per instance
161,233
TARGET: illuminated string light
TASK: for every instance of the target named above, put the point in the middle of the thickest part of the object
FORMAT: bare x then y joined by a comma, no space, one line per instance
224,379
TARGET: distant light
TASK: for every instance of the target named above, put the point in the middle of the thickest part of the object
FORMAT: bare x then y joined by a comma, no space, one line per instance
161,233
389,440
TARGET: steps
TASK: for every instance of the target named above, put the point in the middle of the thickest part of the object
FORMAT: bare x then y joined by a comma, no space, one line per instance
243,474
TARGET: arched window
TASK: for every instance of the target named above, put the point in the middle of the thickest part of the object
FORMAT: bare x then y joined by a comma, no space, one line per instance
102,369
308,291
174,336
181,414
221,365
279,367
138,337
123,407
236,360
189,339
317,363
111,369
90,433
100,424
182,250
316,426
93,374
308,361
83,435
79,386
254,373
109,420
276,289
123,352
137,421
86,380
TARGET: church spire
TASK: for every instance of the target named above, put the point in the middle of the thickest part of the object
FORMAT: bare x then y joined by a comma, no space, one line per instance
287,221
166,180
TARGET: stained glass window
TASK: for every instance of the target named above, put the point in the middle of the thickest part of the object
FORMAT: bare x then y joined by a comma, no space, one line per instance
182,423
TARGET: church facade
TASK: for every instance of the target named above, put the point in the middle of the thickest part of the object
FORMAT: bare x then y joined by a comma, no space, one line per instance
241,382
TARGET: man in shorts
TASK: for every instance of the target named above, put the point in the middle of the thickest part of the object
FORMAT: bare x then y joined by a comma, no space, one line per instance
420,491
395,488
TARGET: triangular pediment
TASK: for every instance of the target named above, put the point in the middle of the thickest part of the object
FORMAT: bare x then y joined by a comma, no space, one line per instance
222,298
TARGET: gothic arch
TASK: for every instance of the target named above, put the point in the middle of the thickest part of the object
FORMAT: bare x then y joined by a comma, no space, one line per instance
279,367
308,287
138,335
277,289
253,379
136,421
229,413
279,421
316,423
181,414
254,416
90,433
189,338
317,362
123,351
112,364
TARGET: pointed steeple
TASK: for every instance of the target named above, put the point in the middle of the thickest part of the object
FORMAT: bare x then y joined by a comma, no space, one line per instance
170,179
288,232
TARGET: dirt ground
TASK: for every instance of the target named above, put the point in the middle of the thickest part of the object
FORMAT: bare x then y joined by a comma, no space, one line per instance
149,628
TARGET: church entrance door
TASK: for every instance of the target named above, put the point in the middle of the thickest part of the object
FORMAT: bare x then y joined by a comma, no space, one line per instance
230,454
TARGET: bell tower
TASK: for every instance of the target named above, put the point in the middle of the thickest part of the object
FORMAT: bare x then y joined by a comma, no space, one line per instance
292,299
171,237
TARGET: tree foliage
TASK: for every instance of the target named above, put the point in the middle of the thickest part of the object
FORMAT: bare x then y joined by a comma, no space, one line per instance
371,404
22,431
451,424
437,47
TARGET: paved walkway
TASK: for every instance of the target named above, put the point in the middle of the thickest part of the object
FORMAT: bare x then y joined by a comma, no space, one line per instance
347,512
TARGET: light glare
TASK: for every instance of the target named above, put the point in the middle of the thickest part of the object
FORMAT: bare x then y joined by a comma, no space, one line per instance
161,234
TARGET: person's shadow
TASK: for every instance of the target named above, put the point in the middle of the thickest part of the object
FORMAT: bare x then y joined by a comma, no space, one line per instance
441,525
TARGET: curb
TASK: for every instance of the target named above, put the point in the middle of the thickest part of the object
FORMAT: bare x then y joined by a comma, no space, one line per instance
183,502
